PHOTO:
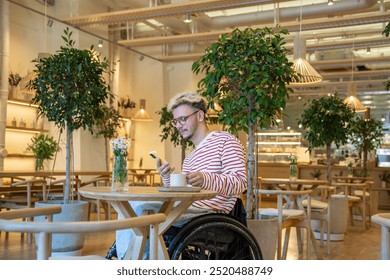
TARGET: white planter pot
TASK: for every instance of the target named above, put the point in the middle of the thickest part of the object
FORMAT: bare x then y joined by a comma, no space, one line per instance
69,244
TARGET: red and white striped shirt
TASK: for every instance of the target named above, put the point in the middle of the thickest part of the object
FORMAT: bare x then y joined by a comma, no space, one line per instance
220,158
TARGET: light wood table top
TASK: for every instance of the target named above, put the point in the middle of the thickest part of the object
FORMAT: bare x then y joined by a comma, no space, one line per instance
119,201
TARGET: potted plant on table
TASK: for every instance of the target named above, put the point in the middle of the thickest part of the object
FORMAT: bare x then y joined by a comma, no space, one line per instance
43,147
70,91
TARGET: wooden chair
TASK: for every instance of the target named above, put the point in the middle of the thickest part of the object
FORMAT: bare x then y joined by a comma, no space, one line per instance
287,218
103,180
44,230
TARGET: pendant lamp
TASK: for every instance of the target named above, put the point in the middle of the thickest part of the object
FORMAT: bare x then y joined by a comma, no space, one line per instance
352,101
142,115
307,74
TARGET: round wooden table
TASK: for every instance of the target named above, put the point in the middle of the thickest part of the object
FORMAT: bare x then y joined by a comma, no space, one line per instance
120,202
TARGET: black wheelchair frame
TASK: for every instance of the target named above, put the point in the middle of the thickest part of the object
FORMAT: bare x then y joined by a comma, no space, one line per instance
213,236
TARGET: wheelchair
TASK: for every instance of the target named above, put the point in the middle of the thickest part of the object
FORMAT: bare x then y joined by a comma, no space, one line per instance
213,236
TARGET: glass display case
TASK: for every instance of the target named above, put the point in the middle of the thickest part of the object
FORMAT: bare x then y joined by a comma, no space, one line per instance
278,146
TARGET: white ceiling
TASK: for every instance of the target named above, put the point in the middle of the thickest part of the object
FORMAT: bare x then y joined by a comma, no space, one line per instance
337,37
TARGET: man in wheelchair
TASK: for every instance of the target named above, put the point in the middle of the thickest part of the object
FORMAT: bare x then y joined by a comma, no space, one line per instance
217,163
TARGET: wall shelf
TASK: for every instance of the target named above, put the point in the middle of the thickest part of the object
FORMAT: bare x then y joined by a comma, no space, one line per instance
26,129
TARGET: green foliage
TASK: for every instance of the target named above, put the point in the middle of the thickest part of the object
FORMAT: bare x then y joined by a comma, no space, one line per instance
247,73
43,146
326,120
316,173
385,177
366,134
14,79
169,131
386,31
108,123
70,89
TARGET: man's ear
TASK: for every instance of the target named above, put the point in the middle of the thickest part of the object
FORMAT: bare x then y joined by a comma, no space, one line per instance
202,116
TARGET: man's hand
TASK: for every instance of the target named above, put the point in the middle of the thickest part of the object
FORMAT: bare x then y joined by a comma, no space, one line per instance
165,170
195,179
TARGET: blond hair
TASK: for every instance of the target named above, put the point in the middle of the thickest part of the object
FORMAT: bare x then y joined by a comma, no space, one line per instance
191,98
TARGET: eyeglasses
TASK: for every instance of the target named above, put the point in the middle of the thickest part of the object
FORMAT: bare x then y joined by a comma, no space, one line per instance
182,120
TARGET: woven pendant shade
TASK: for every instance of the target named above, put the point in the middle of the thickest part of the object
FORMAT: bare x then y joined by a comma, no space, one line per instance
142,115
308,75
352,101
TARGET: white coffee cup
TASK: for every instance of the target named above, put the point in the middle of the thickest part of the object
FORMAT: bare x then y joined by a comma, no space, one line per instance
178,180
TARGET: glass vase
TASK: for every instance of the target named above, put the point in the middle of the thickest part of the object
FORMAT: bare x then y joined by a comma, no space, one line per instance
293,171
39,164
120,181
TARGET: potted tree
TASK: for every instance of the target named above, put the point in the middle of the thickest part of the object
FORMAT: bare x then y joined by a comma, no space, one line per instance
366,135
43,147
248,73
71,92
325,121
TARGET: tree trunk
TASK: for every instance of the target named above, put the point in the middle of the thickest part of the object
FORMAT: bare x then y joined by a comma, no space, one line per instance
250,196
328,164
106,147
365,153
67,166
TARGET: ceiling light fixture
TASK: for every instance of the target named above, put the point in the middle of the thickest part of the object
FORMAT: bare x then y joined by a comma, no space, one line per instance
187,18
330,2
307,74
142,115
352,101
100,44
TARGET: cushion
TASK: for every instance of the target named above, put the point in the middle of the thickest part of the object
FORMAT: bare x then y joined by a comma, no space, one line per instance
360,193
315,204
286,213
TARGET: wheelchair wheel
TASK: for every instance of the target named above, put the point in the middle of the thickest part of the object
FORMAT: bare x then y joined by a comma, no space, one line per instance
214,237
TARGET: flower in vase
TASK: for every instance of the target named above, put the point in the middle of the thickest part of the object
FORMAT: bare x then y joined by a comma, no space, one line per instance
119,169
292,159
120,146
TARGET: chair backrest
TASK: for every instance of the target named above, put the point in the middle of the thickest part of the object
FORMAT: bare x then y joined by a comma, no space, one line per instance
43,230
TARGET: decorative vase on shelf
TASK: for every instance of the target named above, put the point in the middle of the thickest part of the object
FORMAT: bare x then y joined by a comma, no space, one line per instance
39,164
293,171
293,168
120,181
350,171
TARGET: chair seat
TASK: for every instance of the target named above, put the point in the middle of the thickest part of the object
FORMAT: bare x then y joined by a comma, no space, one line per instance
351,198
360,193
286,213
315,204
382,219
